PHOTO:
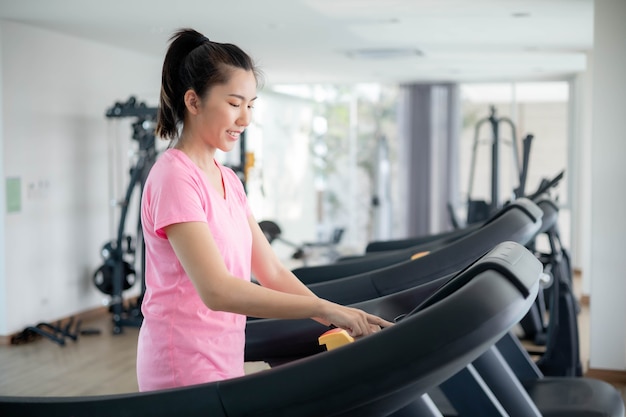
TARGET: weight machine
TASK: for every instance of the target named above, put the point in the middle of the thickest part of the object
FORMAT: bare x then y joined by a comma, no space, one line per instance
478,210
117,273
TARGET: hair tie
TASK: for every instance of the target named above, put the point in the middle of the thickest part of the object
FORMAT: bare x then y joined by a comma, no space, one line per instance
202,40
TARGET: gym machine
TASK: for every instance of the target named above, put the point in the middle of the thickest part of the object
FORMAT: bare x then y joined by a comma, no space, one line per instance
117,273
478,210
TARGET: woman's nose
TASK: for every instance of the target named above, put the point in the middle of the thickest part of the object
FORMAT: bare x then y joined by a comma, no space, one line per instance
244,117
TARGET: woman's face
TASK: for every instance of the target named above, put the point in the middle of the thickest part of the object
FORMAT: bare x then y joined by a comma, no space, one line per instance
226,110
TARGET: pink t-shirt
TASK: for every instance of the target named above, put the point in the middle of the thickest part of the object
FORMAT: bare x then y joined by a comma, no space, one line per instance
181,341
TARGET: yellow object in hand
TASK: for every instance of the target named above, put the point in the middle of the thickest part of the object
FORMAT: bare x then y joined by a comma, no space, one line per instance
335,338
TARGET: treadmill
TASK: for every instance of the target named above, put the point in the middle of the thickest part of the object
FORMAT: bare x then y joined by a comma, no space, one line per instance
519,223
486,387
525,209
387,373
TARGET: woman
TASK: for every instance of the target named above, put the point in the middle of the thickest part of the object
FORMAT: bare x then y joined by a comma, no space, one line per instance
202,241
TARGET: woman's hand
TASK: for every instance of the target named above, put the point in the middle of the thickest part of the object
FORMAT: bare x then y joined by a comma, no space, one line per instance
356,322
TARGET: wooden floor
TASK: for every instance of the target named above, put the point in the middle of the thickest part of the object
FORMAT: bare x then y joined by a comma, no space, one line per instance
92,365
96,364
105,363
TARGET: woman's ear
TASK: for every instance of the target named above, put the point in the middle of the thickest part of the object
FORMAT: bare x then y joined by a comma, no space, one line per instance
192,102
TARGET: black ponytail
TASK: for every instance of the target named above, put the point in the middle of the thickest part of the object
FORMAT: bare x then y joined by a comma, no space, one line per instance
193,62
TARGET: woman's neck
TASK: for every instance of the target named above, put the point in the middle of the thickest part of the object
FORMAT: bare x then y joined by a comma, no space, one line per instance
201,155
205,161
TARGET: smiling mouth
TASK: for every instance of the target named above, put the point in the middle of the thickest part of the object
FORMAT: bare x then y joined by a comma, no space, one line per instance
233,134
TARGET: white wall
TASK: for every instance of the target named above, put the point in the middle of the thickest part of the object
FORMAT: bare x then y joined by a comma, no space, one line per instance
55,91
608,176
580,136
3,294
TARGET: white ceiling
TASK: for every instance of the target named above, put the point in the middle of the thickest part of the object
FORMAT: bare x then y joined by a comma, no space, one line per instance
296,41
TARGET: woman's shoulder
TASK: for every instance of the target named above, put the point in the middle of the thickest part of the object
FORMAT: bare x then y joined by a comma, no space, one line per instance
172,156
172,169
172,162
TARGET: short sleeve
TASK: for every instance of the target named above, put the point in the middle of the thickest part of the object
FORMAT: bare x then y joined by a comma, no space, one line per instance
173,194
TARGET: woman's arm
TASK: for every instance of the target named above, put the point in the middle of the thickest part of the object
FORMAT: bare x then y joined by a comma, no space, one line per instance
198,253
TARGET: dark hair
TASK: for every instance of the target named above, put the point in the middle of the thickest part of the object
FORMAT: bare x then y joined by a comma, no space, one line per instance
194,62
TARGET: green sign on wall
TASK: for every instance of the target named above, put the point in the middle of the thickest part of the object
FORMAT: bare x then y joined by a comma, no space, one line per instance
14,195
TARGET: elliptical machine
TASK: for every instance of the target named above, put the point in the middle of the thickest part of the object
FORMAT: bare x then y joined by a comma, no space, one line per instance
117,273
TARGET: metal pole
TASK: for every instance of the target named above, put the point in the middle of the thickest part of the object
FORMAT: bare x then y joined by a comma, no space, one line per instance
495,164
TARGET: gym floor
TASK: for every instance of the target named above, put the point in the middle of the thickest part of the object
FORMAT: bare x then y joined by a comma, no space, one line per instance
105,363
